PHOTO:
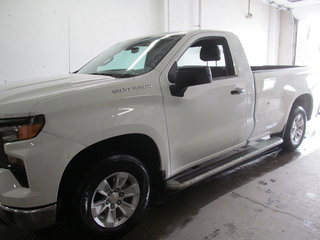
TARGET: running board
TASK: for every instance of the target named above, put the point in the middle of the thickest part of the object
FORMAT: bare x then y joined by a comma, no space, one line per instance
188,178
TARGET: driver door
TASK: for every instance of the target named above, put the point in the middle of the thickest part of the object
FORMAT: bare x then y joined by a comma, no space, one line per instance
209,119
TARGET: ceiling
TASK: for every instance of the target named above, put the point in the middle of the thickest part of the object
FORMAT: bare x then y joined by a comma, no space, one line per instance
294,3
300,8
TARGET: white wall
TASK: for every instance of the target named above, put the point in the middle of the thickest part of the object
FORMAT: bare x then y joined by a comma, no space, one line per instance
307,11
33,40
37,37
253,32
287,38
181,15
258,34
274,30
43,38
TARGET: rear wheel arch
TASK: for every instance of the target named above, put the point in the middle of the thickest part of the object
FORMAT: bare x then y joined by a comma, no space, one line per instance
304,101
140,146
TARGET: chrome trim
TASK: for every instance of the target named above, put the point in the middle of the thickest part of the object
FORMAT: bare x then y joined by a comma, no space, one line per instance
28,219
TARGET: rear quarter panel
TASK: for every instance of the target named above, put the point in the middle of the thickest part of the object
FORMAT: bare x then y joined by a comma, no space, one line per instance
276,91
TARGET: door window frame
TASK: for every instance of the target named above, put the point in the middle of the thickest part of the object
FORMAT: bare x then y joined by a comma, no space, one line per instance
230,68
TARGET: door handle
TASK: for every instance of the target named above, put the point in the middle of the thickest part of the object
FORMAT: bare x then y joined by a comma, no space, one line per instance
237,91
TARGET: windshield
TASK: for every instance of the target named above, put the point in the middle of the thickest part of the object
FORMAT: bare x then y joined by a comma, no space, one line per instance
132,58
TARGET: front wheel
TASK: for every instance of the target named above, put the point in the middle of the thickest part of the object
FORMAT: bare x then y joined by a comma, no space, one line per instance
295,129
113,195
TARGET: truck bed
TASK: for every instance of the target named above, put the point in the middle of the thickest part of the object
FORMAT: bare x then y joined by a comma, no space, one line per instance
274,86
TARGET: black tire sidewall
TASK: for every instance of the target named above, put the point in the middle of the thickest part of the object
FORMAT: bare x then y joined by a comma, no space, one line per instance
108,166
288,145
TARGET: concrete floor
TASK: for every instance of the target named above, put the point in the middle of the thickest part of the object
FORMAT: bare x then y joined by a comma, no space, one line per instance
273,198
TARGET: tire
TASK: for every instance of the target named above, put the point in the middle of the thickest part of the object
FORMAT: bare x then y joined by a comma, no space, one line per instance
113,196
295,129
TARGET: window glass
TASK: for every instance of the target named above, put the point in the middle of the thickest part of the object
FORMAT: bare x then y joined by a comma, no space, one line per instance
132,58
192,58
212,52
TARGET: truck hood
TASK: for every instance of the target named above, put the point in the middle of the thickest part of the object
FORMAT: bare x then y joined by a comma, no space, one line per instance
17,99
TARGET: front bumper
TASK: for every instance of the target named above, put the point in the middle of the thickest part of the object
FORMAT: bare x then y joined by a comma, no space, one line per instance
45,159
28,219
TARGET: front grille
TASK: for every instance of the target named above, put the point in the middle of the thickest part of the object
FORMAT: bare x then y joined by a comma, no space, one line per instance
17,170
3,156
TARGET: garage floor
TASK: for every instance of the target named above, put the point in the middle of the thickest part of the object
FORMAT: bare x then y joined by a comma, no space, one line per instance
263,199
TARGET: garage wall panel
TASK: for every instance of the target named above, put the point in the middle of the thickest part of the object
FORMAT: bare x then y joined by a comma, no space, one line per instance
96,25
253,31
46,38
259,34
287,38
33,39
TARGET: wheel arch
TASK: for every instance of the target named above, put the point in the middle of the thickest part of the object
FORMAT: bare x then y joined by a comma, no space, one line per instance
140,146
305,101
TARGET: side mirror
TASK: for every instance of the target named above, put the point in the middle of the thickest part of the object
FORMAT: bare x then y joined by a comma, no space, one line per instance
184,77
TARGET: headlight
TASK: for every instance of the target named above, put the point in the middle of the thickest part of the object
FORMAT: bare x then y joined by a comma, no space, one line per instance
16,129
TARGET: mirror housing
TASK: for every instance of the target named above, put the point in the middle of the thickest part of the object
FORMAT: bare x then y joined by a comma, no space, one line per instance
184,77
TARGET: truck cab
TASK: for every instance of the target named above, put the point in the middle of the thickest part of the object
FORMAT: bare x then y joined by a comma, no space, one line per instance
147,116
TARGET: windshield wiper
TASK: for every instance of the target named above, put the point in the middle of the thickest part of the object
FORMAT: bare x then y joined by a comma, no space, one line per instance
104,74
115,75
126,75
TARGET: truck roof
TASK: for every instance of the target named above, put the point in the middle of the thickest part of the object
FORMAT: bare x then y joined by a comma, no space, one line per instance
190,33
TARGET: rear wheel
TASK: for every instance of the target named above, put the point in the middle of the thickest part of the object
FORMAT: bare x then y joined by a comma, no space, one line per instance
113,195
295,129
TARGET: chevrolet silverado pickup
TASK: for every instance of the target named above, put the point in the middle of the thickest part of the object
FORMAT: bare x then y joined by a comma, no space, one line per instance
146,116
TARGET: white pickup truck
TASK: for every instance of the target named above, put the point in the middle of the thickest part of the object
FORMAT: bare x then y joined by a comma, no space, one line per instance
148,115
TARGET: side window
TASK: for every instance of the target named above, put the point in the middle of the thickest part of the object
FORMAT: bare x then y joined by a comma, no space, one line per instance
212,52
